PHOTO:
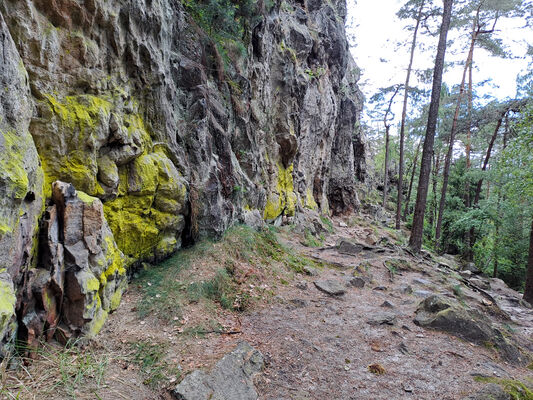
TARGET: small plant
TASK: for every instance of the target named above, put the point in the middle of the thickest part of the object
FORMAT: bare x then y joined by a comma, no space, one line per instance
72,369
327,222
292,53
220,289
315,73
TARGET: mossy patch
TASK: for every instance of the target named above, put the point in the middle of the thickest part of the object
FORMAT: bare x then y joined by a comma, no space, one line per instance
516,389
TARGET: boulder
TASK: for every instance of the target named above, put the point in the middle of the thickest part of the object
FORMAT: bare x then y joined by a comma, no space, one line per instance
231,378
447,315
491,391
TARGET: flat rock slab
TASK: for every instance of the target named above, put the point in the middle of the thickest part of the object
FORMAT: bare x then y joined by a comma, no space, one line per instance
331,287
384,318
423,293
231,378
349,248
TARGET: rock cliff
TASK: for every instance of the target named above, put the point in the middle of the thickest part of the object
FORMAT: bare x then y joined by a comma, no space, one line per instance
129,127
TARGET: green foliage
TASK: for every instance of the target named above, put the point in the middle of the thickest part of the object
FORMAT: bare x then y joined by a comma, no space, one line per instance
223,18
70,369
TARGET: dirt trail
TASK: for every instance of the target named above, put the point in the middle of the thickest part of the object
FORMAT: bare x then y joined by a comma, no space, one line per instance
318,346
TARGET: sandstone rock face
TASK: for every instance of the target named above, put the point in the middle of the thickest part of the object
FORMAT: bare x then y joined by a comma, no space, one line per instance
177,133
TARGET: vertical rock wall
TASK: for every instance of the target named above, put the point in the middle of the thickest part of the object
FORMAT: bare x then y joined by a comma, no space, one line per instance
170,131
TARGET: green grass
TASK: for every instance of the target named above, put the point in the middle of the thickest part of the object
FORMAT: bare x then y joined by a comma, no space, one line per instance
310,240
220,289
328,224
151,359
66,369
166,288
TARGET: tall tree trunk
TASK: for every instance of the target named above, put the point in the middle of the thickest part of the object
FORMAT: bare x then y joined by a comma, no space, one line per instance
386,174
449,155
411,182
417,230
528,292
435,174
487,158
497,235
387,138
404,117
468,148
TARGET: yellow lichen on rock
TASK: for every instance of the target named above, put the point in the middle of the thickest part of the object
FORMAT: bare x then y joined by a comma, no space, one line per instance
310,200
283,199
81,121
7,305
12,165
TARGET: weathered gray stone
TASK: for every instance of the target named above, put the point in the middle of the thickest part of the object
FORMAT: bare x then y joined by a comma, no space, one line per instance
346,247
331,287
491,391
423,293
357,282
230,378
382,318
310,271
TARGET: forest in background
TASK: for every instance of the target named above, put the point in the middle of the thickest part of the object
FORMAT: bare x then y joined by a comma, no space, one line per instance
478,196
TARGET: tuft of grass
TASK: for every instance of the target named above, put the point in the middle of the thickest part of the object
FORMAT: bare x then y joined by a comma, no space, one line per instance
516,389
221,289
327,223
151,359
310,240
72,369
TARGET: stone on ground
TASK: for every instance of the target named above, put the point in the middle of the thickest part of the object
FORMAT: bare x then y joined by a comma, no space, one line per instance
449,316
231,378
331,287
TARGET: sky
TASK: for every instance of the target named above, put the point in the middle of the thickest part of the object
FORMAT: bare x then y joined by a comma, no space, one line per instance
376,29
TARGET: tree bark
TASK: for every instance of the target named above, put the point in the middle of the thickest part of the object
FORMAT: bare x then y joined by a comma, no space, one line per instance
528,292
387,138
405,210
487,158
404,117
417,230
449,155
468,148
